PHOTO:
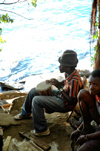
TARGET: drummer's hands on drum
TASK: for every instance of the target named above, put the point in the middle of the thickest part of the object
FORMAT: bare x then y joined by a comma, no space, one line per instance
54,82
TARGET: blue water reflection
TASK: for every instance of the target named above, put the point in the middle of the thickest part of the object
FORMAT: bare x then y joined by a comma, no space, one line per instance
33,46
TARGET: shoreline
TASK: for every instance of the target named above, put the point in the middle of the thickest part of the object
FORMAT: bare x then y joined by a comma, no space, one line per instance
31,81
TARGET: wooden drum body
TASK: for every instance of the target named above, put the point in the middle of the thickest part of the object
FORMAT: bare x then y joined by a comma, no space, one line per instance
44,88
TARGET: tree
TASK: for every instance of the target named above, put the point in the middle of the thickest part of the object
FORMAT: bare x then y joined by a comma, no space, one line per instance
96,34
4,18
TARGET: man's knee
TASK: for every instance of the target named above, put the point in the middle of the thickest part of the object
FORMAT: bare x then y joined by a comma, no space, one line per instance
36,101
84,95
32,92
80,149
83,148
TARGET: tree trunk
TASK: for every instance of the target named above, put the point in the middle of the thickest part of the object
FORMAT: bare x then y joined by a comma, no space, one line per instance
97,57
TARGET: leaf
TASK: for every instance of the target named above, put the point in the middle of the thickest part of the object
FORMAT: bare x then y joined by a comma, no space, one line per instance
34,3
96,47
96,24
1,40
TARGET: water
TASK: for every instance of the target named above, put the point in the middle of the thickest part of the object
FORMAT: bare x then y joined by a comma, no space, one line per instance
33,46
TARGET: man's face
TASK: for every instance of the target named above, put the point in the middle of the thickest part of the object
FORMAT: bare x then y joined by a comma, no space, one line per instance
63,68
94,85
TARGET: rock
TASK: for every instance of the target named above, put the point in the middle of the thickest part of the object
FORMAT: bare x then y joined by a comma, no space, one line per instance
84,73
11,86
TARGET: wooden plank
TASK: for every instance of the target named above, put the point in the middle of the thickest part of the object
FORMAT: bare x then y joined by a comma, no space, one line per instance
6,144
36,140
5,105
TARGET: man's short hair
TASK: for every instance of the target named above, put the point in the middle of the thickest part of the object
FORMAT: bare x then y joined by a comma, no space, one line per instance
95,73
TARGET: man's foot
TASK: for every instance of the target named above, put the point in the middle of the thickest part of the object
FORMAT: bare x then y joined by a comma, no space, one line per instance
74,123
45,133
88,130
20,117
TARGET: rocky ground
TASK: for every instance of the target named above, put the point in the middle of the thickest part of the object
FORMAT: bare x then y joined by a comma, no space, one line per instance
59,139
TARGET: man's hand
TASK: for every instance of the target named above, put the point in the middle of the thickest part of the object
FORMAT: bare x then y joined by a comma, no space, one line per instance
54,82
75,135
80,140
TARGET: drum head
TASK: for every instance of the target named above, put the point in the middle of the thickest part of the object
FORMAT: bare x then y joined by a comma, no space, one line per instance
43,86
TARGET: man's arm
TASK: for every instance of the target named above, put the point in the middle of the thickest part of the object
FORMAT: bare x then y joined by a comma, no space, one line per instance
67,98
73,88
60,85
95,135
56,83
92,136
75,134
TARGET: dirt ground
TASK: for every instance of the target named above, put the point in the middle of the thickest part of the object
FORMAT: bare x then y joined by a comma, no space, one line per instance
60,129
59,138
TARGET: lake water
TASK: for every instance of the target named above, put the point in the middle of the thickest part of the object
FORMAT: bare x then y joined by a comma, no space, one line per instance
33,46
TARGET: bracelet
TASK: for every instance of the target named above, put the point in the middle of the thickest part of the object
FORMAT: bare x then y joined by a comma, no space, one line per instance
61,89
85,137
78,130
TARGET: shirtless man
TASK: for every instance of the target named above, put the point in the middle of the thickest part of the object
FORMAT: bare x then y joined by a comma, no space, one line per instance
89,101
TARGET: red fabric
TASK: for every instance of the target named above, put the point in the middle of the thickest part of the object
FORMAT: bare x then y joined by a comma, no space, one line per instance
72,84
97,99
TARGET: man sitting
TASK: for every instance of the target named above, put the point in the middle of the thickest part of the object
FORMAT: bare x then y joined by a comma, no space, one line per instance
62,100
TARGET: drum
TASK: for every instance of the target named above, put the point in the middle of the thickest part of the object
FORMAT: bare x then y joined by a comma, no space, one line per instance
44,88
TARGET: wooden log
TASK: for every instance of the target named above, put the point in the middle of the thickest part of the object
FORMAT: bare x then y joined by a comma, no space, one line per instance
7,143
5,105
11,94
36,140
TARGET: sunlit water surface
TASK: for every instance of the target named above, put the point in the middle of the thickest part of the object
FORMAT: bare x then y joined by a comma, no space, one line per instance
33,46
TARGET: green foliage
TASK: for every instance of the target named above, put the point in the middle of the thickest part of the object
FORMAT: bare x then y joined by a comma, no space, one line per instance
34,3
7,19
93,58
1,40
4,19
92,61
95,37
0,31
95,48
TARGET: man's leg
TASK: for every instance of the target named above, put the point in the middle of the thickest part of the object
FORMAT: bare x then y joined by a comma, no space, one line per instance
88,109
91,145
27,106
51,104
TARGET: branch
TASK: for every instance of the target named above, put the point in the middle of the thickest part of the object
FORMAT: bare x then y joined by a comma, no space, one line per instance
93,17
16,14
3,1
13,2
